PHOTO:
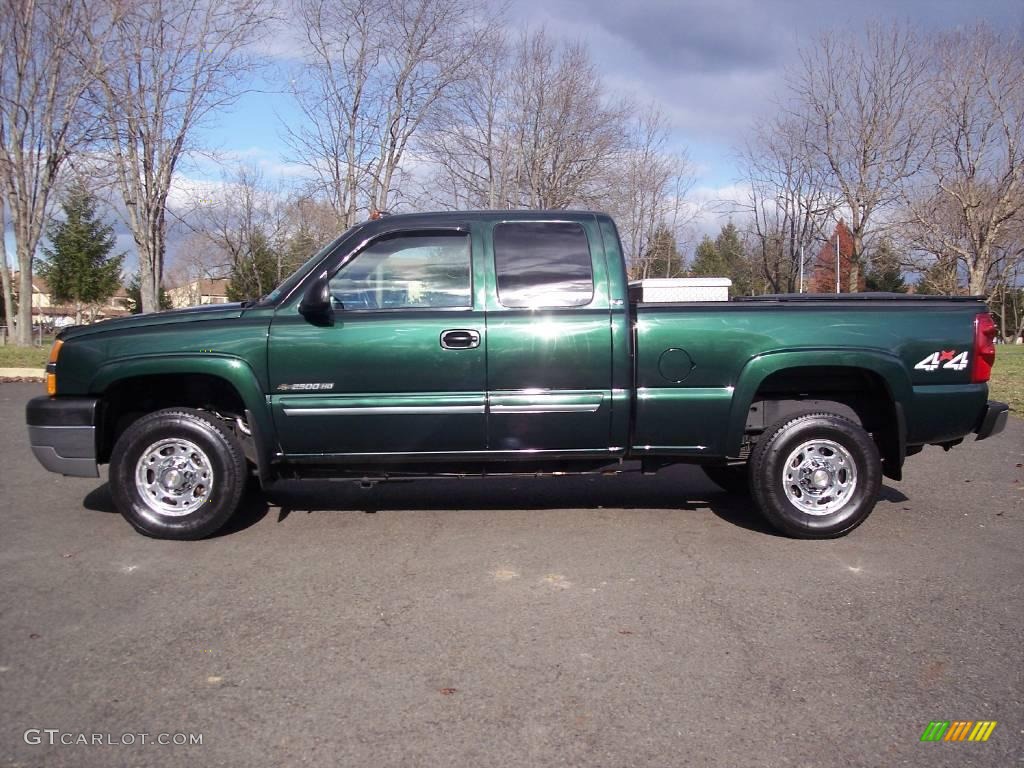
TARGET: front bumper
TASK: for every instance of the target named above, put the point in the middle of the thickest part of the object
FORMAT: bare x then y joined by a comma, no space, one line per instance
62,433
993,420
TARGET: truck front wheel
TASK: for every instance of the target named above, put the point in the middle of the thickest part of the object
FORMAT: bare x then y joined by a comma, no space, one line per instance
815,475
177,474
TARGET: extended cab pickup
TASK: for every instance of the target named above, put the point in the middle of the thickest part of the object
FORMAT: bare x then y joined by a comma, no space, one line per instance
505,342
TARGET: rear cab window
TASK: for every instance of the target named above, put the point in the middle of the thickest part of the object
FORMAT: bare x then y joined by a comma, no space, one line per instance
542,265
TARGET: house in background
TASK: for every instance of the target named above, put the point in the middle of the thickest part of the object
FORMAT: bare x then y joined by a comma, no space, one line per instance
198,292
46,312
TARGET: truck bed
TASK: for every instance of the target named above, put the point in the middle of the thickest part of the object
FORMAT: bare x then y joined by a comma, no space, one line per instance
699,365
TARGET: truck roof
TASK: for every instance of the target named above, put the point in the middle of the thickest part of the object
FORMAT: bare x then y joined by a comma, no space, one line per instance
453,218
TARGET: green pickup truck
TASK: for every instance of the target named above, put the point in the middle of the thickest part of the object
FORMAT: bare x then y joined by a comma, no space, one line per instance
501,342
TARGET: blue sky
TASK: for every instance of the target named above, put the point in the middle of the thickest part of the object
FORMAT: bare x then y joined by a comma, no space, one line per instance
714,66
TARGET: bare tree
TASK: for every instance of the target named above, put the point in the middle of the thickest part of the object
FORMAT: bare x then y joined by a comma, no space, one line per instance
468,139
790,201
44,73
973,189
331,88
647,191
533,126
433,45
564,128
311,224
170,65
865,98
247,216
374,74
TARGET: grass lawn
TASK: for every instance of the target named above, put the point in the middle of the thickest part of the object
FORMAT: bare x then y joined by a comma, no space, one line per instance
1007,384
23,357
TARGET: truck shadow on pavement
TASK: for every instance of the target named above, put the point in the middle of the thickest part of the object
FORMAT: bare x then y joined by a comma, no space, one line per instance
680,489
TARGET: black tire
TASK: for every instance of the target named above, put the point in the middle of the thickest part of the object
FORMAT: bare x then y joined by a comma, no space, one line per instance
217,474
769,473
731,478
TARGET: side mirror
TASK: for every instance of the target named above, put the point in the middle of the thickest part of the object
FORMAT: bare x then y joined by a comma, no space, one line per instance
316,302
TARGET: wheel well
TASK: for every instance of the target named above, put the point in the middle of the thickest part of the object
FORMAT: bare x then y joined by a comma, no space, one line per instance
129,399
856,393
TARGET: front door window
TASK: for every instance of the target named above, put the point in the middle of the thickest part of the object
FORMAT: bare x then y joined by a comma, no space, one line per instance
430,271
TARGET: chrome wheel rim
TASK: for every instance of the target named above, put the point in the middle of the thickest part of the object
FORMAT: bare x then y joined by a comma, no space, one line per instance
819,477
174,477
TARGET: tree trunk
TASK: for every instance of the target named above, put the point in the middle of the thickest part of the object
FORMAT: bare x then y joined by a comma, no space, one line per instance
5,276
1002,314
855,258
24,335
976,275
150,245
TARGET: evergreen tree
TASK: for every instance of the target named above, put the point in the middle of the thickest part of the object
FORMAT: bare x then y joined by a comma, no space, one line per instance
725,256
134,291
255,274
663,257
730,246
78,266
885,273
707,261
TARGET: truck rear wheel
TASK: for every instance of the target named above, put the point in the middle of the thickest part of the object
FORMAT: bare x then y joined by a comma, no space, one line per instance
815,475
177,474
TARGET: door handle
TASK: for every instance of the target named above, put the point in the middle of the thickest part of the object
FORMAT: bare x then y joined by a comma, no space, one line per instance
460,338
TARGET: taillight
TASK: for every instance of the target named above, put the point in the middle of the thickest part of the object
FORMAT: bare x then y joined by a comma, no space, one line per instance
51,368
984,348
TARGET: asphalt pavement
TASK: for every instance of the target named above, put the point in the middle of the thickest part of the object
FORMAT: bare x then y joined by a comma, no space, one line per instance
597,621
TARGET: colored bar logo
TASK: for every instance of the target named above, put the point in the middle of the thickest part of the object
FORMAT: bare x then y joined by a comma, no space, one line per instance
958,730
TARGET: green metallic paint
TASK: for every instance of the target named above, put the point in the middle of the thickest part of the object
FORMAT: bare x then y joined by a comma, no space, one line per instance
621,328
381,359
556,355
681,421
738,345
176,317
542,383
226,333
937,414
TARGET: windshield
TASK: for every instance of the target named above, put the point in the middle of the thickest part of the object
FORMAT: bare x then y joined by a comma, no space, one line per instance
293,279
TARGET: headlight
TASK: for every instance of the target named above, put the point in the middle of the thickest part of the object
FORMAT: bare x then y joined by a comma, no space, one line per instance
51,368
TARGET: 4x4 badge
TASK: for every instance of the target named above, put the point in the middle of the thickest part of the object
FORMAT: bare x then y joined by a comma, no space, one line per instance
947,359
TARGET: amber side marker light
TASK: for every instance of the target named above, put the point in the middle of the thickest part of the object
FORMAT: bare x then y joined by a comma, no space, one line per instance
51,368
